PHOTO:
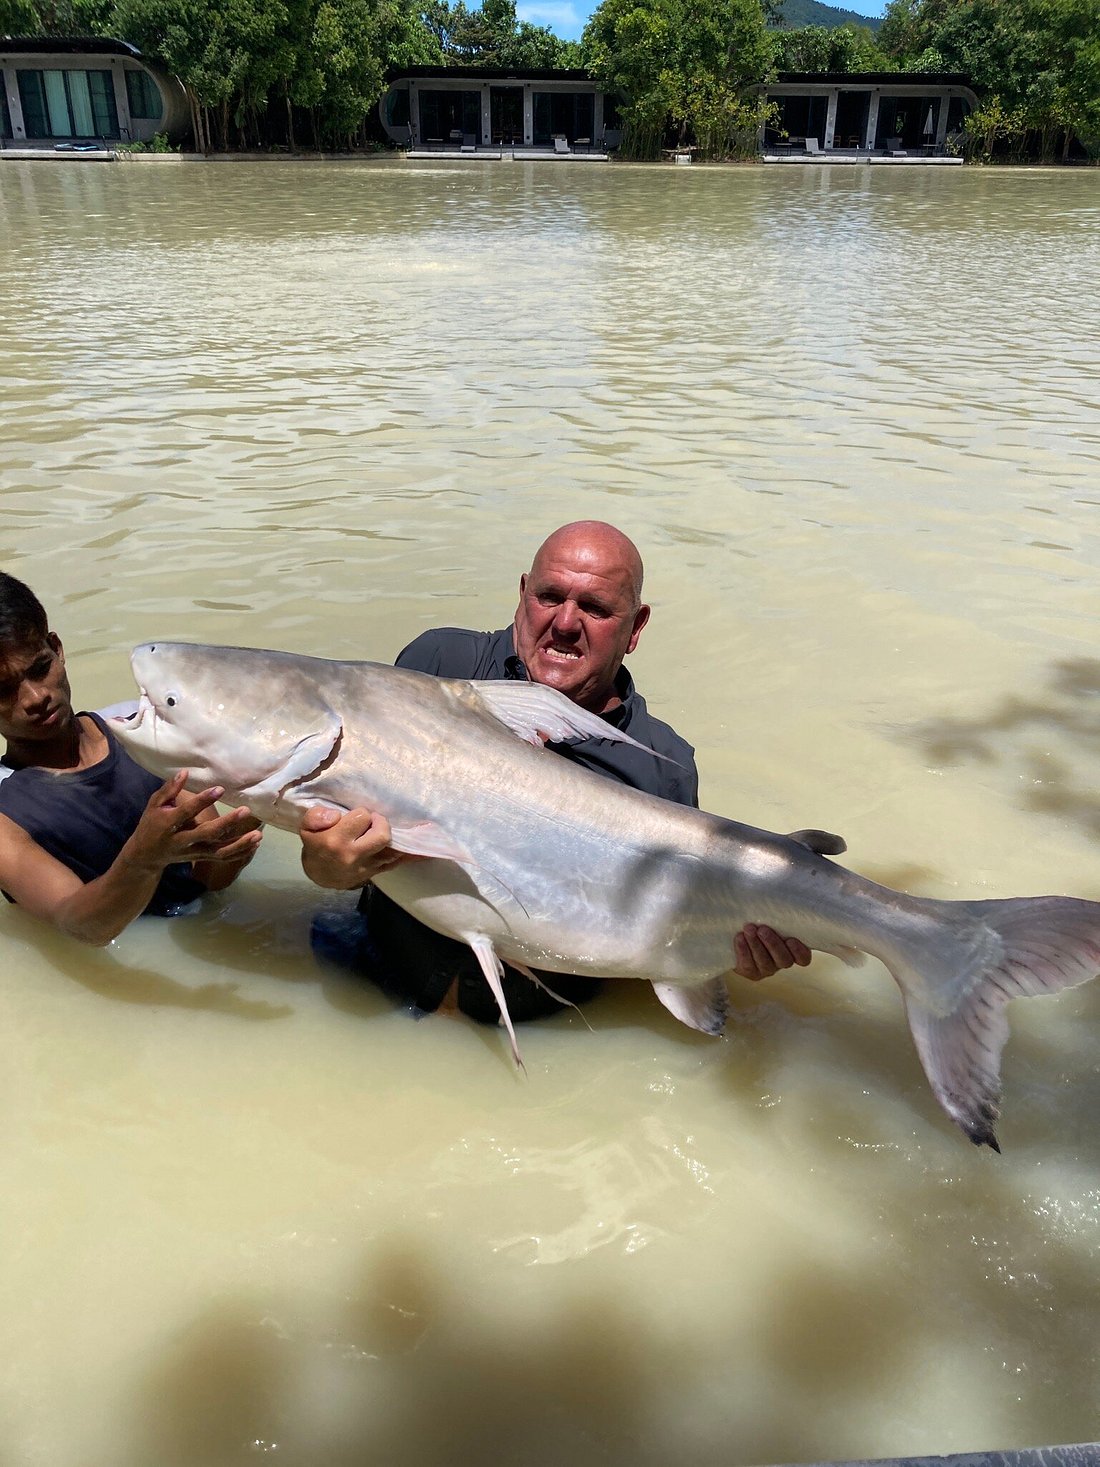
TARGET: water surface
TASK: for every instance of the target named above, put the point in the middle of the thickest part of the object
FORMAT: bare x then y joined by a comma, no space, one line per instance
851,419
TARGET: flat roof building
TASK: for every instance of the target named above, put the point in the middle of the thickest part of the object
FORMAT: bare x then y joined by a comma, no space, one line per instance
467,108
913,113
84,90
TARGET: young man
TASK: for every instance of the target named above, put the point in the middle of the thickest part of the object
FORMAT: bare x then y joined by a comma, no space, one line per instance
580,614
88,839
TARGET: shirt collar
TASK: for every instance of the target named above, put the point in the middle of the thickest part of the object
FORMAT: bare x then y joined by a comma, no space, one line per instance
515,671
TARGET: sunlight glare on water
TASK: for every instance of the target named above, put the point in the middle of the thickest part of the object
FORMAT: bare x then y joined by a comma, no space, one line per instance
850,417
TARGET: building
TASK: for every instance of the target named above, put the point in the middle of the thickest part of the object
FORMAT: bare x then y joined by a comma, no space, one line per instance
83,91
475,107
869,111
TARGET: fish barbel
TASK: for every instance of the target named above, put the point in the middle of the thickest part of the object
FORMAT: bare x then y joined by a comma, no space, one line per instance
538,862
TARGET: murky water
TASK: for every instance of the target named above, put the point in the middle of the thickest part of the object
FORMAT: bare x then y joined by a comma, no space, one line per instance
851,419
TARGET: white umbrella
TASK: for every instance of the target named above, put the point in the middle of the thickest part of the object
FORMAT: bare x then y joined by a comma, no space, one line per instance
929,125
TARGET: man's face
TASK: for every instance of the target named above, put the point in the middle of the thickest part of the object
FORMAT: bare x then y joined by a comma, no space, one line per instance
34,691
577,619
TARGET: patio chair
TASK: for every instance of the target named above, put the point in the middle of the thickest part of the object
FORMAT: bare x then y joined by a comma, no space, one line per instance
812,146
561,144
894,148
582,143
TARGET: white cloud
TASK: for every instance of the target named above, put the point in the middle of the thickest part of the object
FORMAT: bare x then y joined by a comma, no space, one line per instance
563,18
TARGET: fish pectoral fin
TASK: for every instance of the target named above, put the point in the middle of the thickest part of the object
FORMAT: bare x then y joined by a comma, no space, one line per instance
309,756
493,969
703,1006
542,715
851,957
428,839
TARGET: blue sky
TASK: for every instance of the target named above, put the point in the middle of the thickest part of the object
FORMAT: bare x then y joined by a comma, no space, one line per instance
567,18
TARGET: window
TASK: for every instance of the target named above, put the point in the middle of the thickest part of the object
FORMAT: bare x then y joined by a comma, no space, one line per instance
143,94
445,112
397,107
68,104
568,113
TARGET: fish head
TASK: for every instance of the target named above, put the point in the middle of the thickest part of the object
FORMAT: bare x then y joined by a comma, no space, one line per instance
234,716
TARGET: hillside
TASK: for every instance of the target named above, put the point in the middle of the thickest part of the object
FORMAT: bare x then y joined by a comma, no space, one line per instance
813,12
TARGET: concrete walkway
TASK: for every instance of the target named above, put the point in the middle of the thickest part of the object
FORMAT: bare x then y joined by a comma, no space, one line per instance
837,155
1086,1454
501,154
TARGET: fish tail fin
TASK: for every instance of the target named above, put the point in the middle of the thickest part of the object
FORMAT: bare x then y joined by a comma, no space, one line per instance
958,974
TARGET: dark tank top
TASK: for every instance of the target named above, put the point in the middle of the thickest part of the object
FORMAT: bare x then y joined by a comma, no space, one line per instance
83,819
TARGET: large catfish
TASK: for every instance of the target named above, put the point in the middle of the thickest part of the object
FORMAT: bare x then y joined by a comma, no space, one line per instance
540,862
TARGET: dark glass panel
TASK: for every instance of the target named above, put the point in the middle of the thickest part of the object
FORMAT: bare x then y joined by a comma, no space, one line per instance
32,95
143,95
104,110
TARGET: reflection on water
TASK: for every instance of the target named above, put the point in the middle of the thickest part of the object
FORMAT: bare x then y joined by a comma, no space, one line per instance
851,419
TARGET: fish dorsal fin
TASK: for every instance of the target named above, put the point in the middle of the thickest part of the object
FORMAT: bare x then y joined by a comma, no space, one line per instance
821,842
703,1006
541,715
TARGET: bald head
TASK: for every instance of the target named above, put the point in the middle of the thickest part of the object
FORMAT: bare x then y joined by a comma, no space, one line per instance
599,545
580,612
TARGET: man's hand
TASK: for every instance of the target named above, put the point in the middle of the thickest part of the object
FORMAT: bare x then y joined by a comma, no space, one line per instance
343,852
176,826
759,952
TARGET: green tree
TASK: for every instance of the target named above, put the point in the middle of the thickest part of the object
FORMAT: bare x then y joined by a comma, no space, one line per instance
838,48
20,18
1038,61
693,65
493,36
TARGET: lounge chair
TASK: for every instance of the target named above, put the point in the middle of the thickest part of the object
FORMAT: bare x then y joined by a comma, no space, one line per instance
469,142
579,143
894,148
812,145
561,144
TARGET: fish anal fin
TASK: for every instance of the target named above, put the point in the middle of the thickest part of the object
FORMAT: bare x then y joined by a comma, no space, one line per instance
703,1006
493,970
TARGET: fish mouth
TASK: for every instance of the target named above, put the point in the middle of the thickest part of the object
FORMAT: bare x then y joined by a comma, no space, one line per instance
137,718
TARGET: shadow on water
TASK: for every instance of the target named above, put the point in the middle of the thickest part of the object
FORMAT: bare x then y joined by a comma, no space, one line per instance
1068,706
405,1367
103,972
410,1370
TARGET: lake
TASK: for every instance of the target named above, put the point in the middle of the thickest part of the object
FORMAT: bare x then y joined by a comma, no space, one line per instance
850,417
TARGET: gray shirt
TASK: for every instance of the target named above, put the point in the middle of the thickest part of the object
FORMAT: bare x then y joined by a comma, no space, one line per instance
455,652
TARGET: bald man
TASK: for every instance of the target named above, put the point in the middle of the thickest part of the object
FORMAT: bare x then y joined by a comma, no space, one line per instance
580,614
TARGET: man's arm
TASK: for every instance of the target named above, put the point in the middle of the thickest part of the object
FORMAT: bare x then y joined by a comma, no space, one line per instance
174,827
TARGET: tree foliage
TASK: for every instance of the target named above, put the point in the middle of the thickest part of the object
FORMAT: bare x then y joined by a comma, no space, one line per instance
691,64
834,48
258,70
1036,62
493,36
